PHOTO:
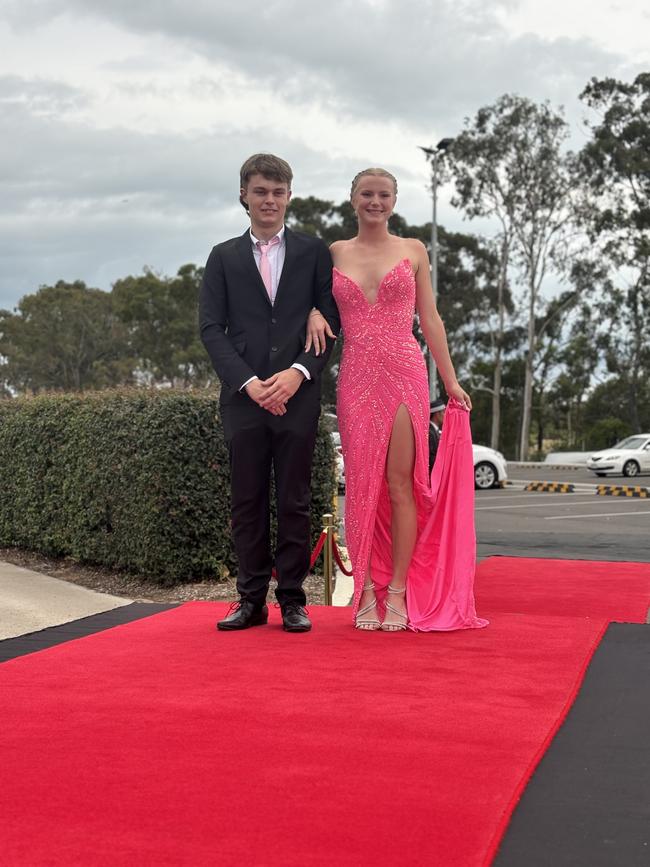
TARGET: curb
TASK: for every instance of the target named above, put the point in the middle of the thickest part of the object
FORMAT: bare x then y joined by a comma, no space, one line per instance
538,465
622,491
580,488
551,487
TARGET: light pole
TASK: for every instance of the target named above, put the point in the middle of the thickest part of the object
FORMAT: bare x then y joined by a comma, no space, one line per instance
434,154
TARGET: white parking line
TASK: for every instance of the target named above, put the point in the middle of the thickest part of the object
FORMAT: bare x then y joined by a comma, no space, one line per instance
531,495
595,515
538,504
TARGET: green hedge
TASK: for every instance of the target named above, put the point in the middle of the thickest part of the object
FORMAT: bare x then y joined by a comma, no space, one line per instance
130,479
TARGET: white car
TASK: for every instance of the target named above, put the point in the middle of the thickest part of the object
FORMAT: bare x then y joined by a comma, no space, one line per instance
490,467
628,458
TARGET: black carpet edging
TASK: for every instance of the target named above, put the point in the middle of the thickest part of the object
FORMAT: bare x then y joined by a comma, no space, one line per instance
588,802
10,648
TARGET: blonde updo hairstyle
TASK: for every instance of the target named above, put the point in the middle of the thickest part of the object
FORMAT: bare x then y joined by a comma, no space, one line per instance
375,172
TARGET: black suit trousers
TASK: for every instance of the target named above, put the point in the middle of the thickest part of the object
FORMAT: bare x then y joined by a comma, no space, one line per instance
262,444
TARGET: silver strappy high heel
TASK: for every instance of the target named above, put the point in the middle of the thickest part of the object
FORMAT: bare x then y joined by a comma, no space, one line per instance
370,624
399,626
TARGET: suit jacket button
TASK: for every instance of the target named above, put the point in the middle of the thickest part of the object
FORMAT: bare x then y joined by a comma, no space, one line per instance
273,321
274,349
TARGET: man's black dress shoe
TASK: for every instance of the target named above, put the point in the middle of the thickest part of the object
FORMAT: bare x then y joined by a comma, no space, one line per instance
294,618
243,614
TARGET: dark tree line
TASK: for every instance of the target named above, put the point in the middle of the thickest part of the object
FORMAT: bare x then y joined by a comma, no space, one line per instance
73,337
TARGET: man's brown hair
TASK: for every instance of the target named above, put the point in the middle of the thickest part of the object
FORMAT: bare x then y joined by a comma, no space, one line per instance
269,166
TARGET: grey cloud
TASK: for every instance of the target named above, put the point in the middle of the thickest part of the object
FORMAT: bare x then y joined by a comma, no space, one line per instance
40,96
22,14
428,63
137,64
82,203
60,160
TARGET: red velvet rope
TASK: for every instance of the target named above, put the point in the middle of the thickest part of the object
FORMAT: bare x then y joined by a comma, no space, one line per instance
319,547
339,562
315,554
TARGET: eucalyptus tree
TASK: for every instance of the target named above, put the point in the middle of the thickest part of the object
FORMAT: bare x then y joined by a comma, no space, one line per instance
579,364
478,311
616,164
510,165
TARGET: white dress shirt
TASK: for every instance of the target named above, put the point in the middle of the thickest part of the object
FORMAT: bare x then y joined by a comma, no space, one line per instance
276,254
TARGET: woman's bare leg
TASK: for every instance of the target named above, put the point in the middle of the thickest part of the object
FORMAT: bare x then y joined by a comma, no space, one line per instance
368,599
400,464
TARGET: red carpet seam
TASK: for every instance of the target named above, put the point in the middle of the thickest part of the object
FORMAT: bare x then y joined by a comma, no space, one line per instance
507,815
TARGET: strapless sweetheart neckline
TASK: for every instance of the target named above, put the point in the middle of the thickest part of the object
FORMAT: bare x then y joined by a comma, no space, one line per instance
381,282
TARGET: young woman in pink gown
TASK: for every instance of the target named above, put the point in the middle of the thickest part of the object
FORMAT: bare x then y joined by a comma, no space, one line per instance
410,536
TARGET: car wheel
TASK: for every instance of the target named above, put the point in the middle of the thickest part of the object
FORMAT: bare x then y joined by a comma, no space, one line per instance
631,468
485,475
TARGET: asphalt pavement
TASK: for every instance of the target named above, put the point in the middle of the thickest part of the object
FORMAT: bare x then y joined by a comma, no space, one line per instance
581,525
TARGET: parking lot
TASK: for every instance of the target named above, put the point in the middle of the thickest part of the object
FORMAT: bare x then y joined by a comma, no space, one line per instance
582,525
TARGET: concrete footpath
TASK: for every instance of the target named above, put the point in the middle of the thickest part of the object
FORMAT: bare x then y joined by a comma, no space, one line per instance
30,601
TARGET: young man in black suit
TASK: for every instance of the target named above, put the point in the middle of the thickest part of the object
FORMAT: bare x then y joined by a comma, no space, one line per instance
259,290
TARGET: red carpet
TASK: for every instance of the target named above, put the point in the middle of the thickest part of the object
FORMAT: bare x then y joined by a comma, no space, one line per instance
164,742
576,588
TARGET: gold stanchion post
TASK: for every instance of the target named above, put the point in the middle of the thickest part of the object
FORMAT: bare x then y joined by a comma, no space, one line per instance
328,556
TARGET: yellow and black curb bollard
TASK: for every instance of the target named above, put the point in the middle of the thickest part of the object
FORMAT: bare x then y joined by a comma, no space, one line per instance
551,487
622,491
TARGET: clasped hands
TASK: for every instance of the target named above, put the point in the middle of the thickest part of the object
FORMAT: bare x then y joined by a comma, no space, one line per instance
273,393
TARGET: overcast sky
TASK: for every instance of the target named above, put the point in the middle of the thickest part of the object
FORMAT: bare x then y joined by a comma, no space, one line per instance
123,123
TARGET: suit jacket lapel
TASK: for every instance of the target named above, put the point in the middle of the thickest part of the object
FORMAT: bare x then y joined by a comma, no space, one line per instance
290,253
245,250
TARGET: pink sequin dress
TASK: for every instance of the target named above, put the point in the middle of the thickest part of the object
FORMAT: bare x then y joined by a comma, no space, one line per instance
382,366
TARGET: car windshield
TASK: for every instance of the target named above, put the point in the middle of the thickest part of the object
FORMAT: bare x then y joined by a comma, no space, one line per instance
631,443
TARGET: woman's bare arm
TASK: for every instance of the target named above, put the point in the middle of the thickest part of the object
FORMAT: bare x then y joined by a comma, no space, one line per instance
432,325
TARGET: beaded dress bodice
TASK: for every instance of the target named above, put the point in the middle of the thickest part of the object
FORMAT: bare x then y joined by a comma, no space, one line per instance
373,333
